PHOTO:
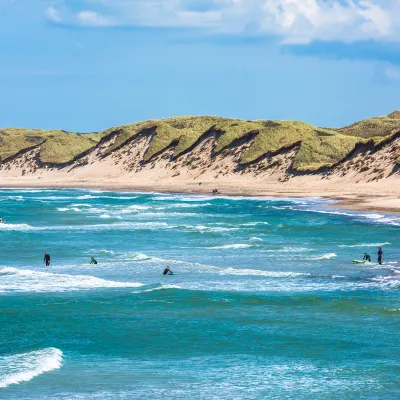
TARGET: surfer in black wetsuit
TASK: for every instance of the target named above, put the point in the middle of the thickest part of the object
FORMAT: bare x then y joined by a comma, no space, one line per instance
93,261
380,254
46,258
167,271
367,257
2,221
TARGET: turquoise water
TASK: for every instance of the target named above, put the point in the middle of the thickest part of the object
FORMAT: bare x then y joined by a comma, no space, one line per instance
265,302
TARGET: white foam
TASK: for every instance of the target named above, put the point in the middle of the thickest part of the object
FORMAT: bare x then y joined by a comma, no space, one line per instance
26,366
256,272
136,257
232,246
102,251
107,226
159,287
254,223
19,280
255,239
202,228
289,250
194,198
326,256
15,227
366,245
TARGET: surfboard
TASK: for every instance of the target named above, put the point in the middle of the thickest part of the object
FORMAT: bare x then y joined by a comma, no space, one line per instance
359,261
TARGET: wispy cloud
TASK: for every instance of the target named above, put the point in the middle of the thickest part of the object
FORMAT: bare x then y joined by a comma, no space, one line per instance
53,15
295,21
392,73
93,18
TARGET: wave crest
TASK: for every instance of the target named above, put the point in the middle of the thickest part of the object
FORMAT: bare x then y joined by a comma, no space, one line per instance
19,280
26,366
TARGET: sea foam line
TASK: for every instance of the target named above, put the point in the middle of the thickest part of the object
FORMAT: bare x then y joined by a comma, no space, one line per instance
366,245
26,366
19,280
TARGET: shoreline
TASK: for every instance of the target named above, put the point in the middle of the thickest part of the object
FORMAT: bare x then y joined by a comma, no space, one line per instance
369,199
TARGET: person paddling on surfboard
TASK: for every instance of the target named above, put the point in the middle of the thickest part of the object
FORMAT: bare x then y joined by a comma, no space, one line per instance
367,257
93,261
167,271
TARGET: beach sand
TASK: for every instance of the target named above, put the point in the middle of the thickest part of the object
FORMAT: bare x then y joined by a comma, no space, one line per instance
382,196
366,181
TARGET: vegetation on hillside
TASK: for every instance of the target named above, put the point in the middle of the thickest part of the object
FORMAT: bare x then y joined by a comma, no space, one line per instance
374,127
58,147
318,147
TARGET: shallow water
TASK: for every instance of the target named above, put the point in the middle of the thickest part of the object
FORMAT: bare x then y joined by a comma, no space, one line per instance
265,302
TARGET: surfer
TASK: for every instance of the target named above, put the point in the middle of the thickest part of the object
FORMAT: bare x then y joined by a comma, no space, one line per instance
167,271
367,257
2,221
47,258
93,261
215,192
380,254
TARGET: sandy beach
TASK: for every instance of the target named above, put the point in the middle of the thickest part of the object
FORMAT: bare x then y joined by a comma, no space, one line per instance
383,196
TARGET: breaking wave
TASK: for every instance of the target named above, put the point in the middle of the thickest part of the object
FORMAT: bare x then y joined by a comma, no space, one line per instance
20,280
26,366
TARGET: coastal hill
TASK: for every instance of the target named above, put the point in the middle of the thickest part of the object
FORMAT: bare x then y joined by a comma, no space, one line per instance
207,149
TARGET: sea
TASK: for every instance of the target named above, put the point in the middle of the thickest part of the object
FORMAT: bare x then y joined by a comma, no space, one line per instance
265,301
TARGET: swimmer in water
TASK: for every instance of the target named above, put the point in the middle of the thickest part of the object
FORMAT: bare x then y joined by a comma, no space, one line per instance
167,271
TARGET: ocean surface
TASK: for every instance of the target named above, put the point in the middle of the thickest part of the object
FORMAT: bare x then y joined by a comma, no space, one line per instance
265,302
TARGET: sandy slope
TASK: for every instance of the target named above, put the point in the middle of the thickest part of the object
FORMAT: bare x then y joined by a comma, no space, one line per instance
369,179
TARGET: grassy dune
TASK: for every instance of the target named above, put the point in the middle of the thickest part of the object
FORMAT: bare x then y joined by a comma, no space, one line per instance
58,147
318,147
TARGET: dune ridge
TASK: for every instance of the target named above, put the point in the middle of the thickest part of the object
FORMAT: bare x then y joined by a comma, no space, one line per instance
195,154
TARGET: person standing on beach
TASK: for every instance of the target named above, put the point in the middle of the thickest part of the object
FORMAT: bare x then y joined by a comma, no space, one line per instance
47,258
380,254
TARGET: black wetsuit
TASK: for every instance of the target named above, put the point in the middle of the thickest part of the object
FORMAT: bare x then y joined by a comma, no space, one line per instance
47,259
93,261
167,271
380,254
367,257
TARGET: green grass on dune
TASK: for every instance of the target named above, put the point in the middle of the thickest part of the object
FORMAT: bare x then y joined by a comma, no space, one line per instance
13,140
61,148
318,147
378,126
57,146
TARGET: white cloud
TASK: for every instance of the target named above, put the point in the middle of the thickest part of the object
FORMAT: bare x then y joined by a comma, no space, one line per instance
295,21
92,18
53,15
393,73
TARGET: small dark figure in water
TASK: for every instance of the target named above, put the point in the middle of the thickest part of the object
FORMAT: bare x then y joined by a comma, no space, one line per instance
367,257
380,254
93,261
215,192
167,271
2,221
47,258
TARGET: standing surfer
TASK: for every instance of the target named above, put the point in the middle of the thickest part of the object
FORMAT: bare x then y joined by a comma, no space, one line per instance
380,254
47,258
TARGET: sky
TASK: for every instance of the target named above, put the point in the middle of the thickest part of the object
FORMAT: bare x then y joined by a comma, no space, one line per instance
86,65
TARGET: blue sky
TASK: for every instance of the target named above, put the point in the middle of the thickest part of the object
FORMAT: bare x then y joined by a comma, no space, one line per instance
85,65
